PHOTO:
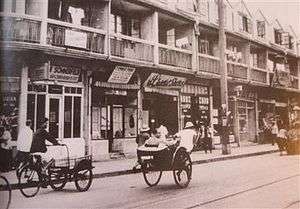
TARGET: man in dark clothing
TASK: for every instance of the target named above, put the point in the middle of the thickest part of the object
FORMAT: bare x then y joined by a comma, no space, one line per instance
40,137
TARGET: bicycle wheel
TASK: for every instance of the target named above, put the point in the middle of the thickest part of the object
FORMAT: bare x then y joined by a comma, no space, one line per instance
151,176
57,180
83,179
182,172
29,181
5,193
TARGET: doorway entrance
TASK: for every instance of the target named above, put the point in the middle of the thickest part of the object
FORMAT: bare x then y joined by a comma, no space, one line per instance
55,115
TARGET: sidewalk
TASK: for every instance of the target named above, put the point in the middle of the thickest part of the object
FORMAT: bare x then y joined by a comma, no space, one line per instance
124,166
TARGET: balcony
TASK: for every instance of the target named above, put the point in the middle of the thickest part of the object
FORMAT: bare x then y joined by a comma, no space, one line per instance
175,56
131,48
237,70
64,34
20,28
259,75
209,64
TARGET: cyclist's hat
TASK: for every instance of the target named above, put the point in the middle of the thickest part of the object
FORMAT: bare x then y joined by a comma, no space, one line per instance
189,125
43,120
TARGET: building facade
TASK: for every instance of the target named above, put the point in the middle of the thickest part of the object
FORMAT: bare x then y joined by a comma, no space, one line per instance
99,70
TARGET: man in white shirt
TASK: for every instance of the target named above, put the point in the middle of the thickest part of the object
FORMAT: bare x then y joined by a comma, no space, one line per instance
188,136
24,142
163,131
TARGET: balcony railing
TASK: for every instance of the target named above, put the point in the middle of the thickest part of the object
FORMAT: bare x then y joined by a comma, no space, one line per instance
131,48
237,70
175,56
209,64
258,75
20,28
71,36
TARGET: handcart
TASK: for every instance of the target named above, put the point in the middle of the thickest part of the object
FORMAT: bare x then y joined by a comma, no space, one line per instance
69,169
158,157
58,173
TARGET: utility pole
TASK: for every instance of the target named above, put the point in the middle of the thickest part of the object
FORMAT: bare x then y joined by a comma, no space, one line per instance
223,82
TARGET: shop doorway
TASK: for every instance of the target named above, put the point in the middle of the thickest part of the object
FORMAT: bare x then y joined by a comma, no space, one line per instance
55,115
163,109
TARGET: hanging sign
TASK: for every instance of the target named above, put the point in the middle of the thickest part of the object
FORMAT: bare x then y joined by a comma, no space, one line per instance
159,80
121,74
76,39
281,78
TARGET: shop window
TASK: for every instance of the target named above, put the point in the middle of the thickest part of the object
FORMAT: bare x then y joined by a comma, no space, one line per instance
36,109
72,115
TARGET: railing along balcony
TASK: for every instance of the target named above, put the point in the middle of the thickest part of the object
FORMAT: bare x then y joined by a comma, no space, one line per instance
20,28
209,64
81,37
237,70
259,75
174,56
131,48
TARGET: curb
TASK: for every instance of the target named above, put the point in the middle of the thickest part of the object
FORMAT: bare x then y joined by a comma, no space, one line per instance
128,172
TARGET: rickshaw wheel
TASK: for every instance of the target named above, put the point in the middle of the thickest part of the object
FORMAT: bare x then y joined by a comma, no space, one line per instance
57,180
152,177
83,179
182,171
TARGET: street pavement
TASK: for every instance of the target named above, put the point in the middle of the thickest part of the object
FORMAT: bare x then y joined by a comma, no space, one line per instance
124,166
263,181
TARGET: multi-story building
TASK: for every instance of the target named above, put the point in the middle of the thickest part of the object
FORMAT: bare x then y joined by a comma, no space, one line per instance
100,69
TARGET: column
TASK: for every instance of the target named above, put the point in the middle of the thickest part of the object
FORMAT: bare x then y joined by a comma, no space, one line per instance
194,50
86,111
155,37
44,15
256,109
236,126
7,6
140,104
23,97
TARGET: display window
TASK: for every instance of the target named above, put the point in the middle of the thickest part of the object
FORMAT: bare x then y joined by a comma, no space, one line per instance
61,104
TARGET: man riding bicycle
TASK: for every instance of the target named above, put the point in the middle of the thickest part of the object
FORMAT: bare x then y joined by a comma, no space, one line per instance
39,141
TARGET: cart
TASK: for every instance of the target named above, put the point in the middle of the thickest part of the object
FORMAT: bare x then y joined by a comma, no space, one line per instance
58,173
69,169
156,158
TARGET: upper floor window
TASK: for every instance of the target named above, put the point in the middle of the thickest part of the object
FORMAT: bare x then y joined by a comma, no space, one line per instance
86,13
278,36
246,24
261,29
125,25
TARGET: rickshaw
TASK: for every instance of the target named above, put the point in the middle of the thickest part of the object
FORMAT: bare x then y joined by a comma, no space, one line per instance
59,172
170,156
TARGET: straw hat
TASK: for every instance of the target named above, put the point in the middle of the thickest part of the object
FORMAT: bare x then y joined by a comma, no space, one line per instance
145,128
189,125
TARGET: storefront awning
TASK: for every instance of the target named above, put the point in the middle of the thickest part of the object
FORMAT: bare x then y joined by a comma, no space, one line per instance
170,92
116,85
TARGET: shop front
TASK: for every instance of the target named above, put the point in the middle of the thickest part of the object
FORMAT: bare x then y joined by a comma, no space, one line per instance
161,98
114,111
55,90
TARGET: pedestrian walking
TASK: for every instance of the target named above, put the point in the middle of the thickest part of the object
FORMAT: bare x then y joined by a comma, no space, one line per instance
6,153
282,139
206,137
274,131
24,142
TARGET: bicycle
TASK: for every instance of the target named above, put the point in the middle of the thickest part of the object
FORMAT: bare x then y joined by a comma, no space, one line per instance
56,174
5,193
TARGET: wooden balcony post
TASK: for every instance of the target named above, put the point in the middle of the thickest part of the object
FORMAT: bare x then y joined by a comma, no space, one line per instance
195,56
44,25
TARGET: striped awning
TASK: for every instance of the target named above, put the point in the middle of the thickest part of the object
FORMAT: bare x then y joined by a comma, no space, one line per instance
165,91
116,85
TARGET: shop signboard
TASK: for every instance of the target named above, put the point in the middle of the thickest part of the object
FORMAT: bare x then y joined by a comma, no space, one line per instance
75,39
39,73
121,74
64,73
164,81
281,78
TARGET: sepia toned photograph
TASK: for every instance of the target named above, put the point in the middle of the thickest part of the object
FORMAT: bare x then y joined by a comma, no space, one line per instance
149,104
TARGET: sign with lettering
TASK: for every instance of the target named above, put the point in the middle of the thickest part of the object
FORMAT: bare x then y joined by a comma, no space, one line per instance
121,74
39,73
75,39
64,73
159,80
